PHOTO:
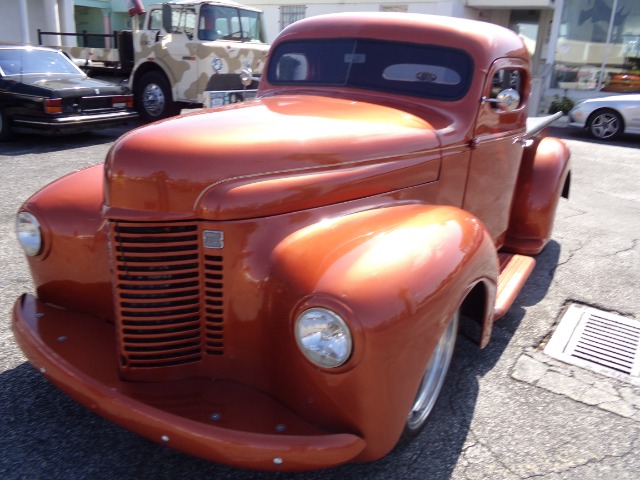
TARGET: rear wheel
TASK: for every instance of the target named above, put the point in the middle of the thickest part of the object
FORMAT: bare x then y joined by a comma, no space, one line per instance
153,98
432,381
605,124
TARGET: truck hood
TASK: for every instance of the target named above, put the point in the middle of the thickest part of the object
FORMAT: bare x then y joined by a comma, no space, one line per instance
269,156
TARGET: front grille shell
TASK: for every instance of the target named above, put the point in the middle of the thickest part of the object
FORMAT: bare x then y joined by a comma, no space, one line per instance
169,296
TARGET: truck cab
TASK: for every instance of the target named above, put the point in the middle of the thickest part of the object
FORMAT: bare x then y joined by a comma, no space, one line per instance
185,49
181,54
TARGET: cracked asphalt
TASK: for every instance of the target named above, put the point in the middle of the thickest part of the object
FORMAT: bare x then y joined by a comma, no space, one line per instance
507,412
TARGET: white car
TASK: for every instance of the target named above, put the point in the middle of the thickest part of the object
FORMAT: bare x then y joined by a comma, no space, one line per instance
607,117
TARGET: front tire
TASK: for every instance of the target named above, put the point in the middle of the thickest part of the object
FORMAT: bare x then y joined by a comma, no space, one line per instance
605,124
153,98
432,381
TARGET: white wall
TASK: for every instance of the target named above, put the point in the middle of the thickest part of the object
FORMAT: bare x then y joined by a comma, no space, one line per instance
271,9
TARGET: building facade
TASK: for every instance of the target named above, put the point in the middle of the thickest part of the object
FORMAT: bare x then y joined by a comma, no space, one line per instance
93,16
579,48
596,48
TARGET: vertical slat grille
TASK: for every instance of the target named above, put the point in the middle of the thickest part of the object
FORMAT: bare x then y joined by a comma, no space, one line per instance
158,287
214,334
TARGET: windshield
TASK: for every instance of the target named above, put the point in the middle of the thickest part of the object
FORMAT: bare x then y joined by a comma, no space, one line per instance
228,23
21,61
403,68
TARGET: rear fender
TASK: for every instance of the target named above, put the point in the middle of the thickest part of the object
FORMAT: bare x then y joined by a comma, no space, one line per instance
544,177
396,275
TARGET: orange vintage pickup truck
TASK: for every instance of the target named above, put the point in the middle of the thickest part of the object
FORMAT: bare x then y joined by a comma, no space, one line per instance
277,284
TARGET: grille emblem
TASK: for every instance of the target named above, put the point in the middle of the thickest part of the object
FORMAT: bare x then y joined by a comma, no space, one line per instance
213,239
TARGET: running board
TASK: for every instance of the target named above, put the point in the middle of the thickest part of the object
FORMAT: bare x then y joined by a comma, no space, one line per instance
514,271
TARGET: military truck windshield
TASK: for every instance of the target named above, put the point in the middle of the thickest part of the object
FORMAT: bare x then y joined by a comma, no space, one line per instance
401,68
228,23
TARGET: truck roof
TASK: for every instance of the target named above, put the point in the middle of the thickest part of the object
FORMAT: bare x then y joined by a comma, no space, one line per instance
226,3
485,42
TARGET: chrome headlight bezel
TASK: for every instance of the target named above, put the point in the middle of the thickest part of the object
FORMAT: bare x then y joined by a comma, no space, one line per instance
29,233
324,337
246,76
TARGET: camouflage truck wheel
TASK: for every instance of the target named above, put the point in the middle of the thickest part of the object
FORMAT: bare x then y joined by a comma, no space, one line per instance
153,98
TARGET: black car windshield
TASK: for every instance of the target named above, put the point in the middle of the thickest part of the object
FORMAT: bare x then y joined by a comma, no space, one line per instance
25,61
428,71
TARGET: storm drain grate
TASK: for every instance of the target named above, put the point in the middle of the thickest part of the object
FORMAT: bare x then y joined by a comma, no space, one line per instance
600,341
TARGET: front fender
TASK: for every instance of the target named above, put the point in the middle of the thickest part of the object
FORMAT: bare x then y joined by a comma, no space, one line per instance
396,275
543,179
72,271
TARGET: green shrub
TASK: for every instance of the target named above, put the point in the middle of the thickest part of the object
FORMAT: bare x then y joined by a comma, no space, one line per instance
564,104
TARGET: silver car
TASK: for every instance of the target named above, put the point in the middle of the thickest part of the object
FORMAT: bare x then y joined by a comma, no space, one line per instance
607,117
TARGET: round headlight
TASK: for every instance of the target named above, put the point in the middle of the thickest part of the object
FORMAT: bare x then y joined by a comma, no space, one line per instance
323,337
29,234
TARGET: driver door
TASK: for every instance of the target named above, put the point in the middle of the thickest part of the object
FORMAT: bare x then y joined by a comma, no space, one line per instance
497,149
181,46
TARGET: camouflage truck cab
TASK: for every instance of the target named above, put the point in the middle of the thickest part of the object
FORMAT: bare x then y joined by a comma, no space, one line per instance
185,53
186,48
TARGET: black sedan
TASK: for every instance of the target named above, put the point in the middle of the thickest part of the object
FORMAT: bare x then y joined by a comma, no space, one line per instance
43,91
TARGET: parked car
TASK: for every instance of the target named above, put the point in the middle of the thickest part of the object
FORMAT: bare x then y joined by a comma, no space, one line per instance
43,91
606,118
277,284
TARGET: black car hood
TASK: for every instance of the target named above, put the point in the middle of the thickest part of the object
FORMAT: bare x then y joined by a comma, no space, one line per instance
62,85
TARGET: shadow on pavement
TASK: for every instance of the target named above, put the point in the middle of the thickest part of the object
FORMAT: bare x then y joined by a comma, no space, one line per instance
23,144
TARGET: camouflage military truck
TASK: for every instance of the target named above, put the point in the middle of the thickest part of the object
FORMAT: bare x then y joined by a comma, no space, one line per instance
181,54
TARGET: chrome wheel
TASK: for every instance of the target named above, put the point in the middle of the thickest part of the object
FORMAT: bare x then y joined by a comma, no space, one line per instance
153,97
433,379
605,125
153,100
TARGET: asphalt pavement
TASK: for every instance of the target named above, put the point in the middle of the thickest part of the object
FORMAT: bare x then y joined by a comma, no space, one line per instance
509,411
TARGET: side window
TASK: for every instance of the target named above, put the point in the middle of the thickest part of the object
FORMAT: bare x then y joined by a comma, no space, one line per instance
504,79
184,21
155,19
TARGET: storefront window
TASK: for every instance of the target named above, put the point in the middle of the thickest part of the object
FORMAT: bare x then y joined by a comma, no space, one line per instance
599,46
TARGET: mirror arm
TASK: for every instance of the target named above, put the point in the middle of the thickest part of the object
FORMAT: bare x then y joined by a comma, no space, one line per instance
493,100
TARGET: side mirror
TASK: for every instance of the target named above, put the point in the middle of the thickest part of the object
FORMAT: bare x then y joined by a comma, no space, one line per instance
507,100
167,18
